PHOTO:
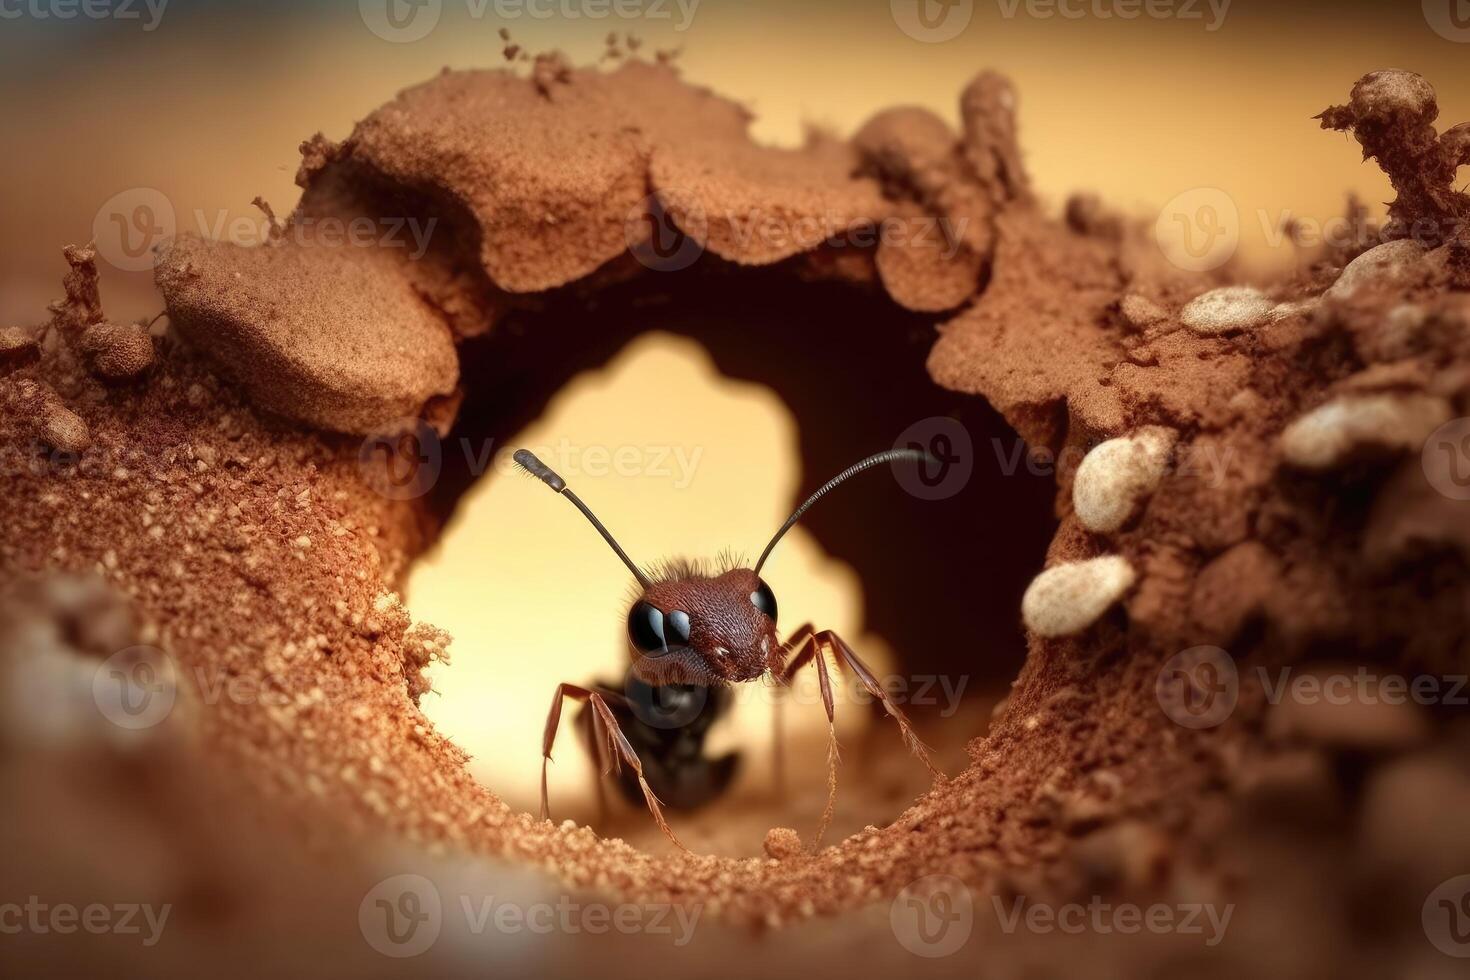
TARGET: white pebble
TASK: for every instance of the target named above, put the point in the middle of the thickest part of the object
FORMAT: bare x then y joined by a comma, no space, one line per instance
1141,312
1327,435
1227,309
1118,475
1390,262
1067,599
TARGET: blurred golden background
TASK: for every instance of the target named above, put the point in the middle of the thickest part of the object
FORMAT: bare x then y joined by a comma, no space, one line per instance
201,106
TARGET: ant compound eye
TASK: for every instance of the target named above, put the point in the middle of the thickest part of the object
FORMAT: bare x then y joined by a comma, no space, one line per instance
646,628
676,626
764,600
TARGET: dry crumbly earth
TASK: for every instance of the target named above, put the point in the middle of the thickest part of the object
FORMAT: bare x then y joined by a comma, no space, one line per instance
1253,482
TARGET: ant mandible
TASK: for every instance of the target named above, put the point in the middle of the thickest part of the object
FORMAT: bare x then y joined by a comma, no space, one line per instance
691,629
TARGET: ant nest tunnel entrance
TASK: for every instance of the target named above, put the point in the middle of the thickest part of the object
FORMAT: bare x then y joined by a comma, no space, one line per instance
218,694
661,381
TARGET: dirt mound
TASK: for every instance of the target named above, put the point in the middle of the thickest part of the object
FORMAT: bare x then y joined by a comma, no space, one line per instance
1287,523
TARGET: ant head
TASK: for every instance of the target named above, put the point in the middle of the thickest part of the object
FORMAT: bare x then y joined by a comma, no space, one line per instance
692,628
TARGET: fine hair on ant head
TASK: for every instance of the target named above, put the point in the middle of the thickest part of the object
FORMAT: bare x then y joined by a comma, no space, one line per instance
532,465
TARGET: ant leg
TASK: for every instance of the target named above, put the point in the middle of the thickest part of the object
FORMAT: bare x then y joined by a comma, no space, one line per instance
778,727
810,652
845,656
615,739
624,749
778,742
801,642
597,744
548,739
824,684
796,641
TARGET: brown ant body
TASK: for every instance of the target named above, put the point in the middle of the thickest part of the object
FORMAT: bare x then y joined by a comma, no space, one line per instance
692,632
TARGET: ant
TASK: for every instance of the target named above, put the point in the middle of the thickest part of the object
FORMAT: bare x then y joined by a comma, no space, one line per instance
692,633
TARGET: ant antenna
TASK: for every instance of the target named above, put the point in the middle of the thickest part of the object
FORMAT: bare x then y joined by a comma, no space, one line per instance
917,455
527,461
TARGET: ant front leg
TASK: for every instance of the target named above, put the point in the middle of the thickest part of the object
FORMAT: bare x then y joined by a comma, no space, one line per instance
816,649
846,655
607,733
811,651
796,641
596,736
